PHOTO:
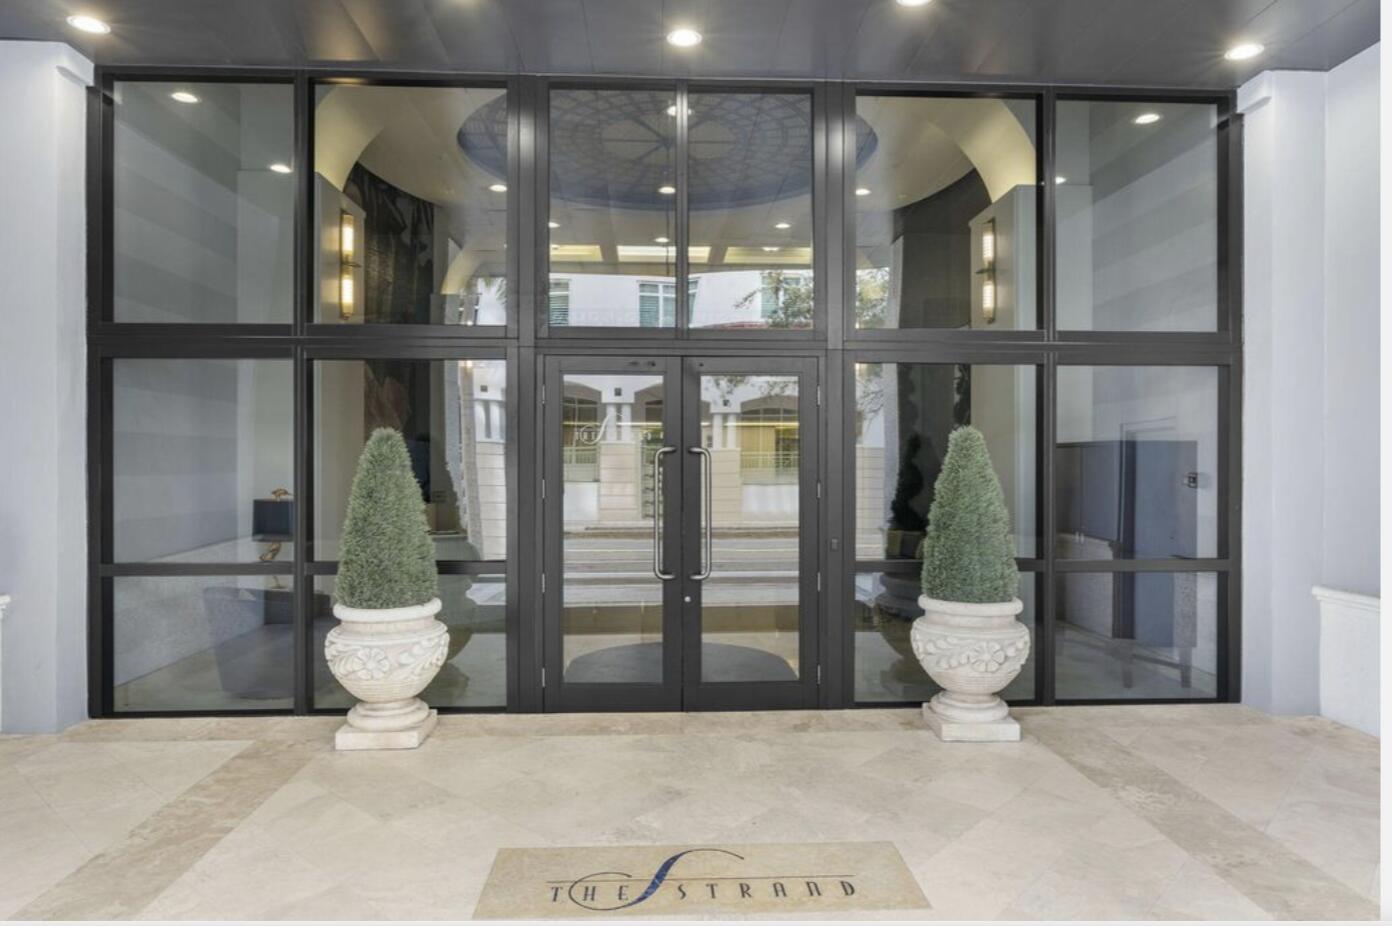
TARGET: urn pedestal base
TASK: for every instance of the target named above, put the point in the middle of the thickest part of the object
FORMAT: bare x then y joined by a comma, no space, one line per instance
952,728
349,737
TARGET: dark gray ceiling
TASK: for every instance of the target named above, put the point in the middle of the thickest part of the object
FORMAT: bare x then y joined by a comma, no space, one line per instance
1143,42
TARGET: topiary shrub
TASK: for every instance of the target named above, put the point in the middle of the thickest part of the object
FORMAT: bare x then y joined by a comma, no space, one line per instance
967,555
386,558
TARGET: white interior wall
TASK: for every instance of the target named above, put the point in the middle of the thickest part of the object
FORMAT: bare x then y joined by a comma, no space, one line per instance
1310,445
43,498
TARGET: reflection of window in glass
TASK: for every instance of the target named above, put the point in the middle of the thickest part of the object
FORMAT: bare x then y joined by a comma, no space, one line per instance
1137,216
580,435
769,440
559,306
203,202
1137,462
657,305
452,415
945,200
612,209
906,413
202,460
751,209
410,190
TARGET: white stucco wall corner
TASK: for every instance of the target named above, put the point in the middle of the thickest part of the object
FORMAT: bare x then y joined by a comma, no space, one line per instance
43,504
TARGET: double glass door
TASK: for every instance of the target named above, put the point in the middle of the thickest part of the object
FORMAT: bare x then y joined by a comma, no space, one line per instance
680,514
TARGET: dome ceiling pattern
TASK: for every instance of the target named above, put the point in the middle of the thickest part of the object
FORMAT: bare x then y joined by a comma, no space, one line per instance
616,148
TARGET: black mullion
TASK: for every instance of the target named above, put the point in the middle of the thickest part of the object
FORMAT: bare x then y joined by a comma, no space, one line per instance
304,263
831,616
826,216
1048,476
119,570
1142,565
541,185
845,602
844,191
531,218
683,230
1046,247
511,578
529,620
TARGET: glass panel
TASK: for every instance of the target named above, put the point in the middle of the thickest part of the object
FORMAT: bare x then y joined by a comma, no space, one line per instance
904,415
410,193
1137,220
202,643
453,414
750,604
946,201
475,669
1137,635
611,623
886,605
613,208
1137,461
203,197
202,460
750,200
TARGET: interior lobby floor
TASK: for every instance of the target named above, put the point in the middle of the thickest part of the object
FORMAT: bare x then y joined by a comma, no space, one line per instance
1165,812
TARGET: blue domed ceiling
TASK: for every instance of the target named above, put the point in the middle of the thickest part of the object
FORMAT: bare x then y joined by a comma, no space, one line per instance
616,148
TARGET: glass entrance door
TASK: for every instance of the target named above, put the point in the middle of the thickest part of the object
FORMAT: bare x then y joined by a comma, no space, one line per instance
680,514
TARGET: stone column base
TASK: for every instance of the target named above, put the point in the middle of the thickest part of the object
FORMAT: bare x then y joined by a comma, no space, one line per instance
1002,730
350,737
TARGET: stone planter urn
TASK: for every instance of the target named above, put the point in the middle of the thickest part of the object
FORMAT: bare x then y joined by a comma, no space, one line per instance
385,657
972,651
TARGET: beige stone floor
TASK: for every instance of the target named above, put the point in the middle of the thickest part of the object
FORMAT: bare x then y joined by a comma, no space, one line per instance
1162,812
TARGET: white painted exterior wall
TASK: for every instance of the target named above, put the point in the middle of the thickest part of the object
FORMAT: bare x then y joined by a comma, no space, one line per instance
1310,446
43,477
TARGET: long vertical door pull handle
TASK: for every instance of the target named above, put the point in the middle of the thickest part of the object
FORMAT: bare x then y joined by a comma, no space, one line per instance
706,481
657,513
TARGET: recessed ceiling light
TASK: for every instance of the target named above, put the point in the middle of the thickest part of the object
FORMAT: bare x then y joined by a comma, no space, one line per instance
913,2
553,224
1060,179
666,189
769,250
1146,118
88,24
282,168
662,239
782,226
862,191
684,37
183,96
1244,51
498,187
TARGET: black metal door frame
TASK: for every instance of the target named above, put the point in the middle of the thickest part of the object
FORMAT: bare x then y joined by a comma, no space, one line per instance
680,489
752,695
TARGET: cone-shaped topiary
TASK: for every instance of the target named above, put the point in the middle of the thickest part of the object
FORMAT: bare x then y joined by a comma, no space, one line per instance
967,555
386,558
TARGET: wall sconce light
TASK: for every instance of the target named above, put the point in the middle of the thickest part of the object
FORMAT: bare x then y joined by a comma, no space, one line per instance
987,271
347,263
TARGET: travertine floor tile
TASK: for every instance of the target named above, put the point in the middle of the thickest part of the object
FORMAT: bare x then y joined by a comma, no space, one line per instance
1185,811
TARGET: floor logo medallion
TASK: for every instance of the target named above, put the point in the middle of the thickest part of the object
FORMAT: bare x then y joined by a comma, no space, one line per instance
698,879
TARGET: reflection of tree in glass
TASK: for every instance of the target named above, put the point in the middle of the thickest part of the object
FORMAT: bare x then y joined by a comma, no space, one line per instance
872,297
785,298
768,386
